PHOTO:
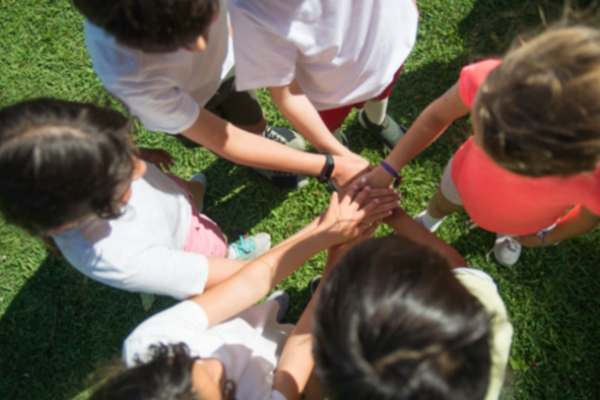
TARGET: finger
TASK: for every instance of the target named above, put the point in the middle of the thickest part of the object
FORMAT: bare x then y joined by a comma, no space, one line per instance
370,230
389,199
381,192
362,196
368,219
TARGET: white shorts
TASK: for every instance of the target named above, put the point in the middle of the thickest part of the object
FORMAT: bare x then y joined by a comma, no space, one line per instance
448,187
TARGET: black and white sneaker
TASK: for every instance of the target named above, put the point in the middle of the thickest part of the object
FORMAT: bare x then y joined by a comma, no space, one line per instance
285,180
285,136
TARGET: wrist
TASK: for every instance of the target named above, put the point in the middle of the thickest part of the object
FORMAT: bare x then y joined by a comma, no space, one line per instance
328,168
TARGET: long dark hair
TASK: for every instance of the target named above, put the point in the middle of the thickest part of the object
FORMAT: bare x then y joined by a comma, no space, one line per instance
392,322
61,161
167,376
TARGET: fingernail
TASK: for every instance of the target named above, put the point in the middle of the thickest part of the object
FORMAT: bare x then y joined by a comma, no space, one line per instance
363,180
390,212
399,202
400,194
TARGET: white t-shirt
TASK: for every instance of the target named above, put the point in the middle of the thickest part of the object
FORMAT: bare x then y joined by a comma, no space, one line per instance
482,286
165,91
248,345
340,52
142,250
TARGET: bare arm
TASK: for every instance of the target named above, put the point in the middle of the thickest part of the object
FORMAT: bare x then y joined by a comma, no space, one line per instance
405,226
248,149
578,221
341,223
295,106
432,122
296,363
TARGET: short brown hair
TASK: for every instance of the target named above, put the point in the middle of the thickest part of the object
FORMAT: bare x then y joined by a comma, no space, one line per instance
539,111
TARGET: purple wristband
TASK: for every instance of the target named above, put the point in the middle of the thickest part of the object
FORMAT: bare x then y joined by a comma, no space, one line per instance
397,177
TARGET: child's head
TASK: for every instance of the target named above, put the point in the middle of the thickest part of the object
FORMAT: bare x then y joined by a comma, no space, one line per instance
539,111
392,322
61,162
171,374
153,26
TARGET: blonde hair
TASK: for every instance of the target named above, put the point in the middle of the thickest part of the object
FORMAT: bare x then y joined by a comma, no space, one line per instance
539,111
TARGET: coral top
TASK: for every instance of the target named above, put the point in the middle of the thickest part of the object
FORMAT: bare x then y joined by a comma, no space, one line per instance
501,201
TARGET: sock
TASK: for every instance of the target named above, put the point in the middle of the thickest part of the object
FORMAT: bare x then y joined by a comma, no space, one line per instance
375,110
431,223
232,255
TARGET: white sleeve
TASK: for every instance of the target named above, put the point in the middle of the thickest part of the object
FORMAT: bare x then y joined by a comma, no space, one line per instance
263,58
181,323
158,105
159,270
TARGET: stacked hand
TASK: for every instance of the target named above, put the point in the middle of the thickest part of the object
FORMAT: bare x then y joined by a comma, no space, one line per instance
357,213
160,158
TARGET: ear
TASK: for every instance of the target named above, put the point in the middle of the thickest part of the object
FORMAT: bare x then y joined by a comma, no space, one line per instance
201,43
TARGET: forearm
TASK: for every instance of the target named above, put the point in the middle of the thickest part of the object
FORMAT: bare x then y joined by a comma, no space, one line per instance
432,122
405,226
261,275
248,149
296,362
577,222
296,107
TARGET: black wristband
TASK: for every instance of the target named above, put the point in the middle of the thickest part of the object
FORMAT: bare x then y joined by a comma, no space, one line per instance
327,169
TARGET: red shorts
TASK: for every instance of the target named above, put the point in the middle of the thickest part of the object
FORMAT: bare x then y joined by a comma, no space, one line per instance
335,117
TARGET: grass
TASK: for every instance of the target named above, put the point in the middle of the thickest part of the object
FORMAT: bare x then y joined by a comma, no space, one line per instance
57,327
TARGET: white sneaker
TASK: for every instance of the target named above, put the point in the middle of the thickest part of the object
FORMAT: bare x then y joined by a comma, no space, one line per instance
507,250
420,219
251,247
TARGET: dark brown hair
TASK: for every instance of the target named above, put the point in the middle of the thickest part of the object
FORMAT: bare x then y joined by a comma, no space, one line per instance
539,111
167,376
153,26
392,322
62,161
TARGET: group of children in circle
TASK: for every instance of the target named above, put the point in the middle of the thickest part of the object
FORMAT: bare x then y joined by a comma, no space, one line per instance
392,318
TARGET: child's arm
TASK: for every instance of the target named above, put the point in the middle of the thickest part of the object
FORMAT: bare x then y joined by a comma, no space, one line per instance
577,222
432,122
296,363
341,222
405,226
295,106
245,148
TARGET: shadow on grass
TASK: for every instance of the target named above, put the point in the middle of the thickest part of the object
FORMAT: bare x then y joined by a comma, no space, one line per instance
552,295
61,327
239,198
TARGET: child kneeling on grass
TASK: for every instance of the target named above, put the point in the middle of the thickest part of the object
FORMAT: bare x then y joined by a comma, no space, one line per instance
402,319
69,171
235,350
535,152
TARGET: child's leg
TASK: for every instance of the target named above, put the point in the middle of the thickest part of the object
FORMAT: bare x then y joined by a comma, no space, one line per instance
375,110
443,203
197,190
377,122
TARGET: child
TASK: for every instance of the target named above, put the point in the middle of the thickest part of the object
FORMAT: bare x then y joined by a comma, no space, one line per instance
396,320
326,56
237,350
70,171
534,154
172,66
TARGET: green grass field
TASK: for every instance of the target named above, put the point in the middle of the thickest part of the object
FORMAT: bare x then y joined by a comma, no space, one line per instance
57,327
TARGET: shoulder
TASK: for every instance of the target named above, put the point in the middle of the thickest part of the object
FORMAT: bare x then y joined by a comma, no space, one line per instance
109,59
472,76
178,324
